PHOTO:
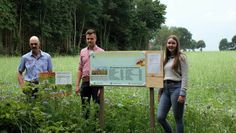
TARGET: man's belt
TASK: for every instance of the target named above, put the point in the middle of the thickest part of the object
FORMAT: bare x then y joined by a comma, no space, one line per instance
85,79
33,81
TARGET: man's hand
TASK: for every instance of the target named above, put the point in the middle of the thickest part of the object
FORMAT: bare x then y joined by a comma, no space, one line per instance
77,90
20,79
22,84
181,99
99,91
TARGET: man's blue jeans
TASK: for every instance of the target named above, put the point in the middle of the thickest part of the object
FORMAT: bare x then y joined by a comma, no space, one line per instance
169,98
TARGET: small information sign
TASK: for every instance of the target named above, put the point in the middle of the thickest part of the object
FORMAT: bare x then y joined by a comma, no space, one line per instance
63,78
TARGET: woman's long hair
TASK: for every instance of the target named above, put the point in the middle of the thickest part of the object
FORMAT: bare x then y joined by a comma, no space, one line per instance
176,55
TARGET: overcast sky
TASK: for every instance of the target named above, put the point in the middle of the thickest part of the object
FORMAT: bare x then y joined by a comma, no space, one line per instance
208,20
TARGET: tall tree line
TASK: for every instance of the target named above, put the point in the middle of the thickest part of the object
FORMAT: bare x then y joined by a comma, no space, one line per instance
185,38
60,24
225,45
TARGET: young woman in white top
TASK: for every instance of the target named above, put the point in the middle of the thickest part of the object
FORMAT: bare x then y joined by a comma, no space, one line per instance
175,85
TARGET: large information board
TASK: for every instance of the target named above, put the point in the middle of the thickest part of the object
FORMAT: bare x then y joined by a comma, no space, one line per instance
122,68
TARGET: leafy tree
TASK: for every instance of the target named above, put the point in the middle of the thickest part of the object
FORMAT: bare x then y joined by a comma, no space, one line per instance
60,24
161,36
223,44
184,35
201,44
28,22
115,24
150,13
89,14
7,15
234,39
193,45
233,43
7,25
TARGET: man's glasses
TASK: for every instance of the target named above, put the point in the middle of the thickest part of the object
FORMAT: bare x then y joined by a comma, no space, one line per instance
33,44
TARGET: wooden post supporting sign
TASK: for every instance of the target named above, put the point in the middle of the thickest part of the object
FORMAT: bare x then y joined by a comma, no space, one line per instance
154,78
127,68
101,109
152,114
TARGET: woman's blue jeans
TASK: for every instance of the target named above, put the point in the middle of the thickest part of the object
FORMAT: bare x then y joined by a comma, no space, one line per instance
169,99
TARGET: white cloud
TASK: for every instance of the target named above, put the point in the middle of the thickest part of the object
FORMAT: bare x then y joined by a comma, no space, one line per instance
210,20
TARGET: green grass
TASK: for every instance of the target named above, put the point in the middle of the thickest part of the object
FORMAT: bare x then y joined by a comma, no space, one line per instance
210,106
212,89
212,79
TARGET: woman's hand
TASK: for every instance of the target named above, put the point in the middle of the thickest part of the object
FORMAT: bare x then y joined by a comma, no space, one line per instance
159,97
160,91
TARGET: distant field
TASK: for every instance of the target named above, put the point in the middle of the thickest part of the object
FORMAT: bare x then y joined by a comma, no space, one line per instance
211,100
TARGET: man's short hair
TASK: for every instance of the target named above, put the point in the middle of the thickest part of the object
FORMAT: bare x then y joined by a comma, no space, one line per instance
90,31
34,38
